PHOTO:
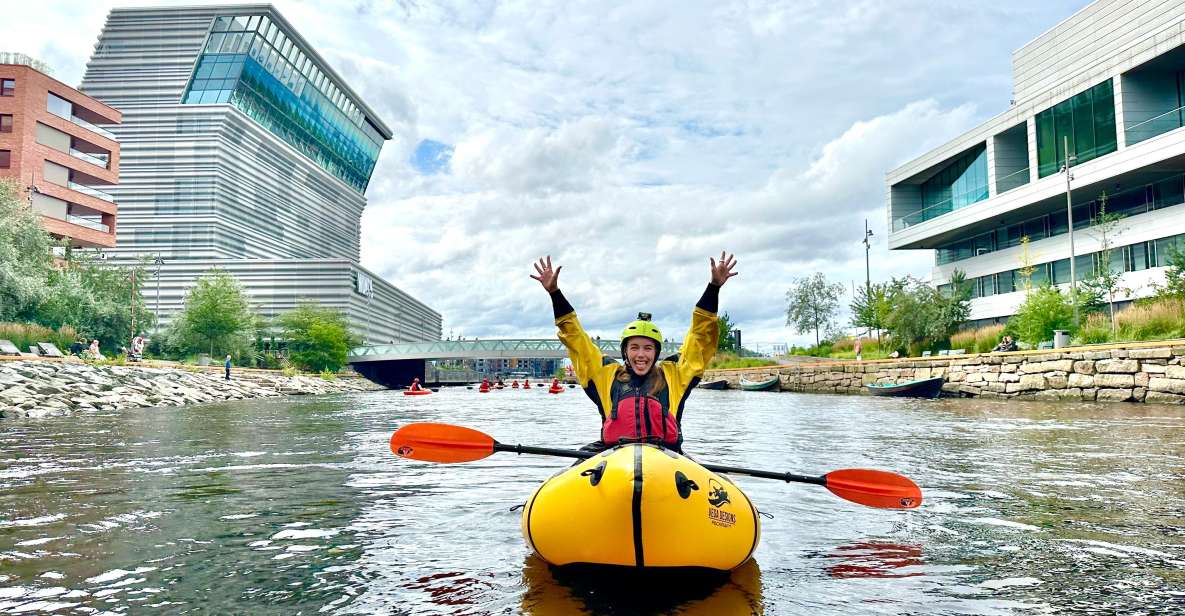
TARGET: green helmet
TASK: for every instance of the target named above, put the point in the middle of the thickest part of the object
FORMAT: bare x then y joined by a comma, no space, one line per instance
644,328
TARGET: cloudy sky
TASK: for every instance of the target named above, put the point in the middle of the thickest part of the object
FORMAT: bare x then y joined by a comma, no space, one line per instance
632,141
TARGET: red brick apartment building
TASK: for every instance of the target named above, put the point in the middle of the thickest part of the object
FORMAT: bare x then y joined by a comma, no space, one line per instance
50,142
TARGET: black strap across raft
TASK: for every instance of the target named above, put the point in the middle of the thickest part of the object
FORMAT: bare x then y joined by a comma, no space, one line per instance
639,505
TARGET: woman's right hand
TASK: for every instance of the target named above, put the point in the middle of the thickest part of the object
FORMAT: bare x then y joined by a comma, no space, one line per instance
549,278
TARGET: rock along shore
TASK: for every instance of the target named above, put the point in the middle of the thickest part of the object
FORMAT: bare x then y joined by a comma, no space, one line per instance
1140,372
50,388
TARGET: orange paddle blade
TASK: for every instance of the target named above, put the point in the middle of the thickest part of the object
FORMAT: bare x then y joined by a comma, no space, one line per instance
874,488
433,442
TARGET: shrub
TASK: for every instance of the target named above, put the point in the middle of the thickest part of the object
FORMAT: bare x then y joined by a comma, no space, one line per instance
318,338
328,375
1044,310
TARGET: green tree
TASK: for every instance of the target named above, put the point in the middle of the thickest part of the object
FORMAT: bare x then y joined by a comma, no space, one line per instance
97,299
870,307
812,303
921,314
1103,283
1174,275
1045,309
217,316
724,340
24,255
318,338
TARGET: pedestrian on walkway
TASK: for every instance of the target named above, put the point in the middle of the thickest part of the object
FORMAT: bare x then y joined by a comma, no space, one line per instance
859,346
227,364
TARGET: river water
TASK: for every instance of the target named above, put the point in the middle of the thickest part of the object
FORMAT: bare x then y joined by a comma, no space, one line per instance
296,506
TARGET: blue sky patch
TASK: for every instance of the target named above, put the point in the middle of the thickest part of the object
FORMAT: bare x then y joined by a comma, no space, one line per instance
431,157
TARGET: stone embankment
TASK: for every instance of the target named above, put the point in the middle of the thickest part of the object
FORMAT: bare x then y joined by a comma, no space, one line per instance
48,388
1134,373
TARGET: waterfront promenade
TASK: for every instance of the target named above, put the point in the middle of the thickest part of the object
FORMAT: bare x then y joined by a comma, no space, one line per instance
1151,372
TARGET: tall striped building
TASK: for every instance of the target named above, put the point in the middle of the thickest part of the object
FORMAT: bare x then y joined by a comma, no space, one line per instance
242,149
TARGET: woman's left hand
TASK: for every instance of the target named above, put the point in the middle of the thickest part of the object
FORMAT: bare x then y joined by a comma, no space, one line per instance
722,269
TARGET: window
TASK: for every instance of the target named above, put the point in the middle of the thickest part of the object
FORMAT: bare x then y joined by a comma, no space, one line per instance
5,159
1085,122
7,87
6,123
1061,271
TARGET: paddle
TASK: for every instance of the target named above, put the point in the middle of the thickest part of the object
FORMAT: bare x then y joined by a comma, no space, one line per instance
433,442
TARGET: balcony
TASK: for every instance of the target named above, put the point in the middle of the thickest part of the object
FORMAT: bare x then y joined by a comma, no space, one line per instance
64,109
99,160
88,223
946,206
1156,125
94,192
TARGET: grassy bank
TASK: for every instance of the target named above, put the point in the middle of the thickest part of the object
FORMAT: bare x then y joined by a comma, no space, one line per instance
724,361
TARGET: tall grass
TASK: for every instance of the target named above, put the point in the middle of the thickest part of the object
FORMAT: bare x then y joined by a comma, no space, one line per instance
25,335
981,340
1155,319
845,348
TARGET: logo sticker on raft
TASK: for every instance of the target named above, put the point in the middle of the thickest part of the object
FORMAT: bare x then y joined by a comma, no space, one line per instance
717,498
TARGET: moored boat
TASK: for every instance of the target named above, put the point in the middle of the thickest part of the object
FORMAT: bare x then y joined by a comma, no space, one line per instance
416,392
769,384
638,505
717,384
924,388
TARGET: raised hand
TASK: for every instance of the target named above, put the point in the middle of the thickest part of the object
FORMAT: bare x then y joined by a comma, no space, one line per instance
722,270
549,278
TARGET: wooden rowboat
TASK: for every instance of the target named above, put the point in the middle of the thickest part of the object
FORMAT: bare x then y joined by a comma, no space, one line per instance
717,384
925,388
767,385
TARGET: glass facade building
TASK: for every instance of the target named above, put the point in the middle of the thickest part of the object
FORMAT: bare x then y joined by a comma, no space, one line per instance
1086,121
251,63
247,153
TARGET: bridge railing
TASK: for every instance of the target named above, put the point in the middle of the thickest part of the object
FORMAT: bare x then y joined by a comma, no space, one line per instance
494,348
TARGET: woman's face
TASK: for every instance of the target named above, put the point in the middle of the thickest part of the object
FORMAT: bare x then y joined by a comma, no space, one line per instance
640,353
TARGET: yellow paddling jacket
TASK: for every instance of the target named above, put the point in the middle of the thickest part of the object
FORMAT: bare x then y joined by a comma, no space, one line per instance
628,412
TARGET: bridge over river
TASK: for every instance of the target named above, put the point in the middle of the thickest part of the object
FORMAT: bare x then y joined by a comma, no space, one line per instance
395,365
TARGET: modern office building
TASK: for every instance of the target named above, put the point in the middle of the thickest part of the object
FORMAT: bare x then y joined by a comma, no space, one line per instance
244,150
1109,83
51,145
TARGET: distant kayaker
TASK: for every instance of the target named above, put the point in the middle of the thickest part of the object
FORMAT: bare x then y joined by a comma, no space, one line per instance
642,400
415,384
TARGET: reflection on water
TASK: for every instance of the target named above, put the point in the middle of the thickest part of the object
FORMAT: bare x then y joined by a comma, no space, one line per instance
296,505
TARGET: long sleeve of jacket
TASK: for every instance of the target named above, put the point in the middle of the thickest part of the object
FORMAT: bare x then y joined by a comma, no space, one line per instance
699,346
586,356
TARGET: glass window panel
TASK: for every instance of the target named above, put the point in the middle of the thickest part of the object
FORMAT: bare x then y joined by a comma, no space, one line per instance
1063,124
272,33
264,24
1083,214
1040,274
1015,232
1137,257
204,69
58,105
6,123
215,43
257,47
984,243
1061,271
253,23
240,22
1058,223
220,70
1083,266
1083,120
222,23
1035,229
1104,118
7,87
1047,162
5,159
1169,192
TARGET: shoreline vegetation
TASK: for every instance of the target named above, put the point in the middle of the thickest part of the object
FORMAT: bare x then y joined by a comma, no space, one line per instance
48,388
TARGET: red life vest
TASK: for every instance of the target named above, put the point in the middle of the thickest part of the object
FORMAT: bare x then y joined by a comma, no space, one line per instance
638,416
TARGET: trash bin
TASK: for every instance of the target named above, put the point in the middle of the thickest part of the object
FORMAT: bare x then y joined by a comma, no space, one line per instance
1061,338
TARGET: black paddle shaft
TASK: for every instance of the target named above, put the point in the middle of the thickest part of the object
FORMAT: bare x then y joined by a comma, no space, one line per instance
715,468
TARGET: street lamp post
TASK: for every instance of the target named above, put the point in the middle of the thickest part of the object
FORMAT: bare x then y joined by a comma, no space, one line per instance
867,247
158,261
1070,226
